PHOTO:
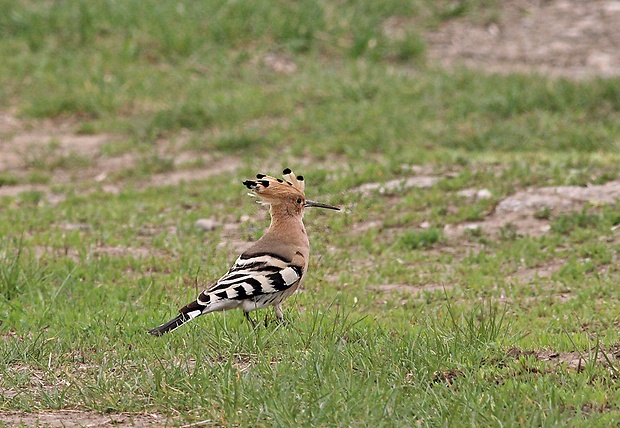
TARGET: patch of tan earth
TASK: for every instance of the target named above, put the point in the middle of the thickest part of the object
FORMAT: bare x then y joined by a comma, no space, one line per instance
237,236
548,299
365,226
517,213
21,142
279,63
118,251
395,186
562,198
16,190
114,251
80,418
528,275
9,126
573,360
215,167
571,38
56,147
8,123
415,291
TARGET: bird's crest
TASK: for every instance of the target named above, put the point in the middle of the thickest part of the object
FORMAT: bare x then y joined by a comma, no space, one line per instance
274,190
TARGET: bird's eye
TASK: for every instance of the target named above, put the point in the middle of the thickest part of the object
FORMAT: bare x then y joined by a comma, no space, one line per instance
299,201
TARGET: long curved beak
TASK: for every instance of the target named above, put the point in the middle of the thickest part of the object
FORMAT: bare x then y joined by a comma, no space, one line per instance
310,203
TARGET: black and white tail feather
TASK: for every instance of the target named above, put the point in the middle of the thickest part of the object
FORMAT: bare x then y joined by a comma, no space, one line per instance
272,269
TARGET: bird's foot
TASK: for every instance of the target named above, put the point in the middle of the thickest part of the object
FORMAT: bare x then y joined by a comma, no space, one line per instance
252,322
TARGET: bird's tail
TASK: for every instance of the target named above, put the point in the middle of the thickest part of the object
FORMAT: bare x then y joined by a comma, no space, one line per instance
173,324
187,313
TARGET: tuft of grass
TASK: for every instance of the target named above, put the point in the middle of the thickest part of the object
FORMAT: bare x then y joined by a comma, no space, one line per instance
543,214
566,223
38,177
48,158
31,197
154,164
19,270
8,179
239,143
186,116
413,240
508,232
411,48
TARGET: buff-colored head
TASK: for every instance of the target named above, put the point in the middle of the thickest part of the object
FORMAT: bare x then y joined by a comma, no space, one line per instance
288,191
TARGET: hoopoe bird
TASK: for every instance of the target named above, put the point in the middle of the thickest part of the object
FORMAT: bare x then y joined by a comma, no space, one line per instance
270,270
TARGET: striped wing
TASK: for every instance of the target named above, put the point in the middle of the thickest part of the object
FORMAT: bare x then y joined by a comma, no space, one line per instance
253,281
255,276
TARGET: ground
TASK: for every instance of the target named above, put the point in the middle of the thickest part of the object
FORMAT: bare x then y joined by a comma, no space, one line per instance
575,39
570,39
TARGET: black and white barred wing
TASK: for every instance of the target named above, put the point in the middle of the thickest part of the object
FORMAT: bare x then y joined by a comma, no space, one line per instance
252,283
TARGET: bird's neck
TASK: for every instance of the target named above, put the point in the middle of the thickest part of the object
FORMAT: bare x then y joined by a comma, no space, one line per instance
288,225
284,215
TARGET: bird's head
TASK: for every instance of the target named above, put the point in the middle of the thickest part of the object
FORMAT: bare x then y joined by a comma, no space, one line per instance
287,193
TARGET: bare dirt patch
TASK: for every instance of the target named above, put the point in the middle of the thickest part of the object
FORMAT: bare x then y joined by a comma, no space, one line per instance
395,186
220,166
97,252
573,360
517,213
405,288
571,38
118,251
55,151
279,63
562,198
527,275
79,418
447,376
408,292
25,142
365,226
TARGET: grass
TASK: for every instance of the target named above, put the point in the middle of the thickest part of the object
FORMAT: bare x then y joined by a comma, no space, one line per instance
85,273
412,240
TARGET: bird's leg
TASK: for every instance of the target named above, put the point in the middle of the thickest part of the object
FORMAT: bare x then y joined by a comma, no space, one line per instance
279,314
247,317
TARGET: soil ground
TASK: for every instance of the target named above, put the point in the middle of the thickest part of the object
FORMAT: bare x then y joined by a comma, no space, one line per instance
568,38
